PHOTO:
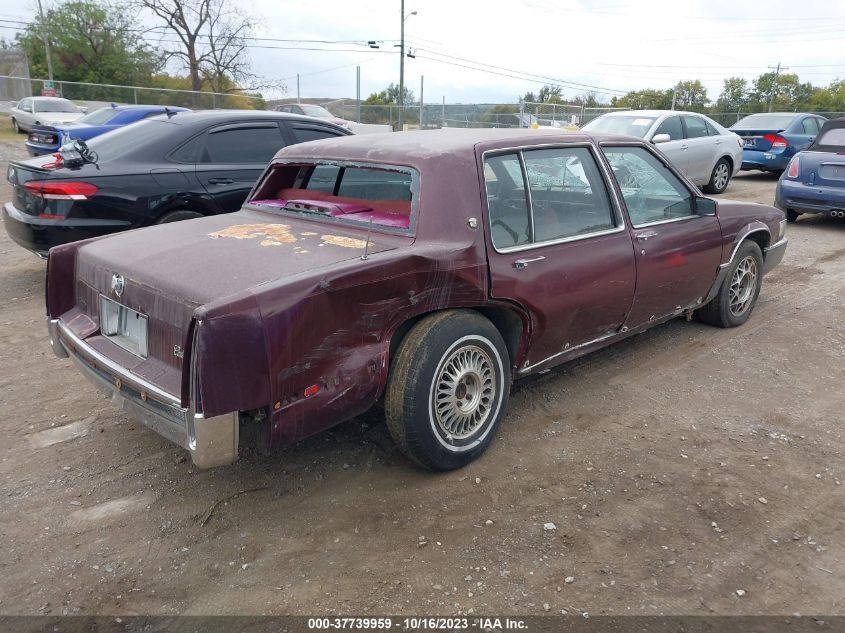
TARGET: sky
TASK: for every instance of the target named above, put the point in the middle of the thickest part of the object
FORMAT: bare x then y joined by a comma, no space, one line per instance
496,51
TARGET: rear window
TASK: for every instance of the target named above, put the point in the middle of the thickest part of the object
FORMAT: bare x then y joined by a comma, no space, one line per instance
834,136
336,192
99,117
764,121
632,125
124,140
55,105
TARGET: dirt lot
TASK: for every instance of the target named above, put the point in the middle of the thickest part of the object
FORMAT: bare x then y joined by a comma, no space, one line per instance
678,467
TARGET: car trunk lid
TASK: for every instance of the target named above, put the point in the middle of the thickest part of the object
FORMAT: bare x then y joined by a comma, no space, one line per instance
756,139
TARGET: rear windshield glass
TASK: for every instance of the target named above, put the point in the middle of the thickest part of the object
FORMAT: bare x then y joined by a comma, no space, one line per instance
352,194
127,139
99,117
315,110
764,121
55,105
632,125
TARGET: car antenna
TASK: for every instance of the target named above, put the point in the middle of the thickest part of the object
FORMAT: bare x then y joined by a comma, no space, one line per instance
170,113
365,256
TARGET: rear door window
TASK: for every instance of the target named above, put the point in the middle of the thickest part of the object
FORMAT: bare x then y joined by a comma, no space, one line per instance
696,128
305,133
809,126
244,144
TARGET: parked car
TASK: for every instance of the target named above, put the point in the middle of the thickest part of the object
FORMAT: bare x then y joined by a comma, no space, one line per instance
814,180
46,139
706,152
426,269
308,109
772,138
43,111
155,171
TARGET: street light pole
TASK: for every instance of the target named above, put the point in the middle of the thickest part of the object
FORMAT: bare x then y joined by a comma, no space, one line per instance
401,99
46,42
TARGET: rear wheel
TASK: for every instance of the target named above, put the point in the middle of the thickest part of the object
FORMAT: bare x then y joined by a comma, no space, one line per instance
178,216
447,390
719,178
15,127
791,216
738,294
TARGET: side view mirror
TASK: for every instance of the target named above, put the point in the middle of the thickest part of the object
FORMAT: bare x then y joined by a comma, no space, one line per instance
83,109
661,138
704,206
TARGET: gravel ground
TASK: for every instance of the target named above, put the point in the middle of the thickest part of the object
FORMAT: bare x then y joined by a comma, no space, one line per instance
688,470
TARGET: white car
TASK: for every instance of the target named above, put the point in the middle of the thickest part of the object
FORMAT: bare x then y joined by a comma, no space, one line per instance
706,152
309,109
43,111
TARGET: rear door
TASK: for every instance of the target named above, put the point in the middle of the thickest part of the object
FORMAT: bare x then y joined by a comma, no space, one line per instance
678,252
233,157
557,245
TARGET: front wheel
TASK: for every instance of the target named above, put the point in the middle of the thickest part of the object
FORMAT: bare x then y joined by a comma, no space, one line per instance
791,216
738,294
15,127
719,178
447,390
178,216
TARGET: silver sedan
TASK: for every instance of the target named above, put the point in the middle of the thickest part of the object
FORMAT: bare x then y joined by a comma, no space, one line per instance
707,153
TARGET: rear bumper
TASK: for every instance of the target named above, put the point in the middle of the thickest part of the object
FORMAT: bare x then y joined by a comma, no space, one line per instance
211,441
765,161
796,196
40,235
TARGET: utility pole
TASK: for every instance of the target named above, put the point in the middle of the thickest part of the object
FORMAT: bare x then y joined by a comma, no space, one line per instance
358,91
401,63
46,43
777,70
674,96
297,87
422,80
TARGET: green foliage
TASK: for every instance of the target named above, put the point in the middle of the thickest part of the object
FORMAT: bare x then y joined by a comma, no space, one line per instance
500,115
91,42
390,96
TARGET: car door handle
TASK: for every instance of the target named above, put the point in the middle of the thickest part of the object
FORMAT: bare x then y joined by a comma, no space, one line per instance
644,235
220,181
523,263
718,142
684,146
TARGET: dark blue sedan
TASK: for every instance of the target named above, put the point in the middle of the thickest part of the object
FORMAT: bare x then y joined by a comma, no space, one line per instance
46,139
773,138
814,181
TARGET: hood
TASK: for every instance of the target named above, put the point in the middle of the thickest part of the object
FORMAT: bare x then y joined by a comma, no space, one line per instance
57,118
196,262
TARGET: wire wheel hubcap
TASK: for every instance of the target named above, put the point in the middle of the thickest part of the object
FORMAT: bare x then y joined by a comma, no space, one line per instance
720,178
464,392
743,286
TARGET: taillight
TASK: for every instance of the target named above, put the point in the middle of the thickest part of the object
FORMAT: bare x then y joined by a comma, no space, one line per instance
61,190
794,167
776,140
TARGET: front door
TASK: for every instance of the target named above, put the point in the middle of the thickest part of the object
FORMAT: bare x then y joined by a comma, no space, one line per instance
678,251
675,148
557,245
701,149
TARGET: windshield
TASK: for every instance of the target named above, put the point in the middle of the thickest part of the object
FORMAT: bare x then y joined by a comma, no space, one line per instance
99,117
315,110
129,138
764,121
54,105
632,125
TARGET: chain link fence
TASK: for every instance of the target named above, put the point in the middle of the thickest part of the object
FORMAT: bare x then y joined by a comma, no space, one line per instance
14,88
727,119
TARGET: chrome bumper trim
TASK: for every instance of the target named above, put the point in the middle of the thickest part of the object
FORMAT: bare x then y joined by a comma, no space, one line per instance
211,441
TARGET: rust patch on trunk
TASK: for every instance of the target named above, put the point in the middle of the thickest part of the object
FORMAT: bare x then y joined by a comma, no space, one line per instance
346,242
273,234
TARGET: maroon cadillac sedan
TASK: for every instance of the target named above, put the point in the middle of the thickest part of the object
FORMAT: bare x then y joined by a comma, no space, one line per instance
428,270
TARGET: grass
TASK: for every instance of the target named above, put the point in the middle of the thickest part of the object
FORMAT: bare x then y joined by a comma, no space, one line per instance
6,133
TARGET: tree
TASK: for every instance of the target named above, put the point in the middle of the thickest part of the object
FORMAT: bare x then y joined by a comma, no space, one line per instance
548,94
690,95
90,42
648,99
211,38
734,94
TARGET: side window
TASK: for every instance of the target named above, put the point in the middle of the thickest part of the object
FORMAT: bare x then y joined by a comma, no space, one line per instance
188,152
506,201
25,105
696,127
243,145
313,133
324,178
375,184
809,126
711,129
672,127
568,196
652,192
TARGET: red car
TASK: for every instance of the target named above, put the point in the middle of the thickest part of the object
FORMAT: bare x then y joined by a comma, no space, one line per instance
427,270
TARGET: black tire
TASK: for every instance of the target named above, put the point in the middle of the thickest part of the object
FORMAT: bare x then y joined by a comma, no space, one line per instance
178,216
791,216
721,311
719,177
15,127
430,357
